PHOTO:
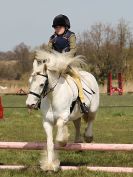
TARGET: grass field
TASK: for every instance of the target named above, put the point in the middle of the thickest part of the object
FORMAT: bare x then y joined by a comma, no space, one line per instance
112,125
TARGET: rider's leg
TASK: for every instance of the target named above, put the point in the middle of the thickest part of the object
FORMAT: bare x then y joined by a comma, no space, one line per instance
76,77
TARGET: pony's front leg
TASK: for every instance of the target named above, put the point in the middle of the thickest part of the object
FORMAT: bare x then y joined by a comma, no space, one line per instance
62,132
49,160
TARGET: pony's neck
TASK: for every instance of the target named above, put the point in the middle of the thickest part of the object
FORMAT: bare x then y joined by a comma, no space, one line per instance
53,78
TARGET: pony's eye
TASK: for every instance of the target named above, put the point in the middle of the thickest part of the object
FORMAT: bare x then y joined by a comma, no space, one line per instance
44,61
41,85
39,62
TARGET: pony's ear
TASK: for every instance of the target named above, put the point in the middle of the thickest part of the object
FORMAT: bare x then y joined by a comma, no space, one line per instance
45,68
33,73
34,65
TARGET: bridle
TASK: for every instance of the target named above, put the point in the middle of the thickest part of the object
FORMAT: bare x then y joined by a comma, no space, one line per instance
45,90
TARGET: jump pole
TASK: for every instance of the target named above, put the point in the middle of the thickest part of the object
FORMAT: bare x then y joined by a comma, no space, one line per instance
68,147
101,169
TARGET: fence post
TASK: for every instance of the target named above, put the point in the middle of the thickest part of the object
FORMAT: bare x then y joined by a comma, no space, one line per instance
109,84
110,88
1,109
120,86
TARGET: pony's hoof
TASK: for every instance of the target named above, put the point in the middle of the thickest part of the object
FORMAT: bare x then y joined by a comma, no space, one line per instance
50,167
88,139
78,141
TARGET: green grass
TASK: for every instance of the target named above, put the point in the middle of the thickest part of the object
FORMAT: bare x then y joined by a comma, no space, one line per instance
112,125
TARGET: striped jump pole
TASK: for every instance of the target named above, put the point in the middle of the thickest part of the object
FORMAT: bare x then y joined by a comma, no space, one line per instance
101,169
68,147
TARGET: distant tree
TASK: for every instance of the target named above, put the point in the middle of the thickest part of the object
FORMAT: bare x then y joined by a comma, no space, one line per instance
22,56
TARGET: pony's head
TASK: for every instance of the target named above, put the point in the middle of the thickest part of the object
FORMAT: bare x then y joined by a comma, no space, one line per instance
38,84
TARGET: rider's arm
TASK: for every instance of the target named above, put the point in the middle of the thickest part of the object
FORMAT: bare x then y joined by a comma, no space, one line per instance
73,47
50,46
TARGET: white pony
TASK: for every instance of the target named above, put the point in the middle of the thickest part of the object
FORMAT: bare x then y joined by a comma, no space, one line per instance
58,93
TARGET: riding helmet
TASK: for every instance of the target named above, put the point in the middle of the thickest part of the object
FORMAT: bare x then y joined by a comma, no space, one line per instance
61,20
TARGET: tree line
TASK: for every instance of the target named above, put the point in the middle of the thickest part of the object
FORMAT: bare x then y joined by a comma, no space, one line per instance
14,64
107,48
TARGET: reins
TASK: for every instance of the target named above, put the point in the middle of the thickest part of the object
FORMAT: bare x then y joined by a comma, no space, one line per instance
52,89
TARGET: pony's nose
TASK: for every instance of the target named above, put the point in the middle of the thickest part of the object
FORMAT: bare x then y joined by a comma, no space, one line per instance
33,106
28,106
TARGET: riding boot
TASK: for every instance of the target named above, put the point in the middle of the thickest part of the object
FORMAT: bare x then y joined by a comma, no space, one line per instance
84,108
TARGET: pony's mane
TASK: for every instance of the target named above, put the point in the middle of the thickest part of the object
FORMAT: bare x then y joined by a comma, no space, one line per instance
59,62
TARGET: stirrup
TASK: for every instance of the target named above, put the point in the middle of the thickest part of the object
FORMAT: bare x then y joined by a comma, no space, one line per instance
84,108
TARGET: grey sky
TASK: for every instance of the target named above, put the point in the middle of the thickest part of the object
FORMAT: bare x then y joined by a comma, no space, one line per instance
30,21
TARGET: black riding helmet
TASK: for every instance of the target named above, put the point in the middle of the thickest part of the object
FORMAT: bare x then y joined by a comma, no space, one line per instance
61,20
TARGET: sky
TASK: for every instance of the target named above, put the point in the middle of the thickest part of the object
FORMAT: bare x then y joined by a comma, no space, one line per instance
30,21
